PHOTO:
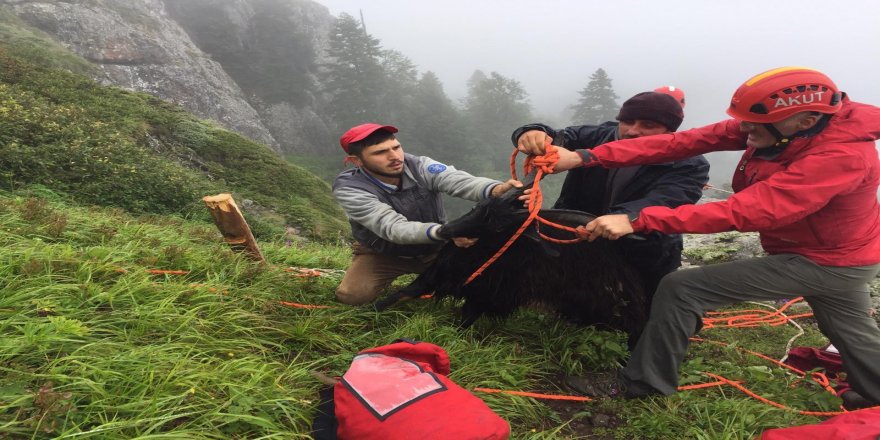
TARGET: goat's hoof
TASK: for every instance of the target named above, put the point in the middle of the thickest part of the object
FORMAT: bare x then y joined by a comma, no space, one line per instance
385,304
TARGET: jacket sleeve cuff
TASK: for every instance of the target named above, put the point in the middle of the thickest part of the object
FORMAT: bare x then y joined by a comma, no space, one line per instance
588,159
632,216
487,192
638,224
432,233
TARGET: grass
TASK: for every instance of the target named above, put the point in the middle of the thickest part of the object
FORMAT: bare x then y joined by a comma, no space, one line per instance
93,346
112,147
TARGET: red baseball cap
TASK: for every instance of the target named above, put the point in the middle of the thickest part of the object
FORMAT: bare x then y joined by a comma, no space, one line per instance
360,132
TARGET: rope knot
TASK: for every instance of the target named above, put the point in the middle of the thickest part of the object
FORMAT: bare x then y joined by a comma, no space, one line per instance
546,162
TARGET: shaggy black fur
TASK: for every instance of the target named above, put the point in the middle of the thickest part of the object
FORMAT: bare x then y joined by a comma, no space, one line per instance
586,283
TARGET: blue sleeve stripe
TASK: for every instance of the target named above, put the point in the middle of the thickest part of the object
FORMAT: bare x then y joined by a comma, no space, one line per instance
487,192
430,233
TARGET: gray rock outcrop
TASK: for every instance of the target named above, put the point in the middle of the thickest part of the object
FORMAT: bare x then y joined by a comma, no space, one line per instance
273,49
138,47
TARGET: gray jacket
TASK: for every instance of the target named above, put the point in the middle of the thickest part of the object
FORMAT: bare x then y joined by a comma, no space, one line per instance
401,221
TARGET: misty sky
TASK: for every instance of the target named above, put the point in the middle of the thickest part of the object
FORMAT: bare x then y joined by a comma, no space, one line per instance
708,48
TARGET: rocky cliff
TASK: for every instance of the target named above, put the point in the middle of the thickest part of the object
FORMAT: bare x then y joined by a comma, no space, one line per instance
273,49
138,46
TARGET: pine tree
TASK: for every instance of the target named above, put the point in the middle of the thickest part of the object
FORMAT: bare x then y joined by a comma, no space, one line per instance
494,107
598,102
436,127
354,82
496,102
400,85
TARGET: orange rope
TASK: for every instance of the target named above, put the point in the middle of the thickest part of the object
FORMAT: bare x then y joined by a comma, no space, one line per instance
755,353
303,306
315,306
535,395
302,272
583,398
155,271
167,272
698,386
817,377
544,164
751,318
770,402
588,399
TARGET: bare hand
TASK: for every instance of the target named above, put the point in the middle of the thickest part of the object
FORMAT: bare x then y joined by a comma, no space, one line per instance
532,142
611,227
526,197
464,242
500,189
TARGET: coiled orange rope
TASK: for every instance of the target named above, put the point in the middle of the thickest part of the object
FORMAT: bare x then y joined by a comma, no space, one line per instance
544,164
752,318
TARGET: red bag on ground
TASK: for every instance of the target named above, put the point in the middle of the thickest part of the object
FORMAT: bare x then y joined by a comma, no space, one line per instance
809,358
856,425
400,391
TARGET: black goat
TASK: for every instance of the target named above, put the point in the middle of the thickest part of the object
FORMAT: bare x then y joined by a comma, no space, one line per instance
586,283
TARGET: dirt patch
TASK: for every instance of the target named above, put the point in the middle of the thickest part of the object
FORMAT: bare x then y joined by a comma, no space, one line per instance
583,419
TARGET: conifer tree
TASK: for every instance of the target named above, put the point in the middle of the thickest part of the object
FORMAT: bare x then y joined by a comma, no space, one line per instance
436,125
494,107
400,83
598,102
496,102
354,81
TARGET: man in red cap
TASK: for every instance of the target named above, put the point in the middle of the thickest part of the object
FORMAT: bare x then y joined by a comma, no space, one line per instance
807,182
629,190
393,202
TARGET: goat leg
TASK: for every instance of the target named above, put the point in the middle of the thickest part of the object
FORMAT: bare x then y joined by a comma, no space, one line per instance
414,290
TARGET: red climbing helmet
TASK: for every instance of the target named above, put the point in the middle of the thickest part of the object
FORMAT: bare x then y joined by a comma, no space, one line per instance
776,94
674,92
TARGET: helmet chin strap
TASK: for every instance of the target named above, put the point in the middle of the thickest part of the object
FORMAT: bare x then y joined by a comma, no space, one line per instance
780,139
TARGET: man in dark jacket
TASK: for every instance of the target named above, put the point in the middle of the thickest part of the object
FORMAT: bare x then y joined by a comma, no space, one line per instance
628,190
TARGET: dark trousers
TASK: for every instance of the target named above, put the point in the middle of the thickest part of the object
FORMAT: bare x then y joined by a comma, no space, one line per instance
839,296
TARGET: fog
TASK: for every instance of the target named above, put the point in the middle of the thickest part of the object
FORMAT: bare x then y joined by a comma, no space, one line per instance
707,48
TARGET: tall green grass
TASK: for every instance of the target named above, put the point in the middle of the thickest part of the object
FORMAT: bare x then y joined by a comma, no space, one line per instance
93,346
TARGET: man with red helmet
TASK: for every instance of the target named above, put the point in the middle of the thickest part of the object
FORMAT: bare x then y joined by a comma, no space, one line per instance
807,182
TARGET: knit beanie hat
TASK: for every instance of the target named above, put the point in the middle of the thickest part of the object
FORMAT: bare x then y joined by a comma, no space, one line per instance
652,106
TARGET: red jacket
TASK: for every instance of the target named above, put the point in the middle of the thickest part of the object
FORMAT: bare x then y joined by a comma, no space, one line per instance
818,198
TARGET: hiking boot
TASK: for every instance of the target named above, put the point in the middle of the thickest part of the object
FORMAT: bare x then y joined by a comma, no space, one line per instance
601,384
610,384
853,401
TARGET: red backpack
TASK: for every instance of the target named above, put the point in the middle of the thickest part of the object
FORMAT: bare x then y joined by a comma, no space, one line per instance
400,391
856,425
